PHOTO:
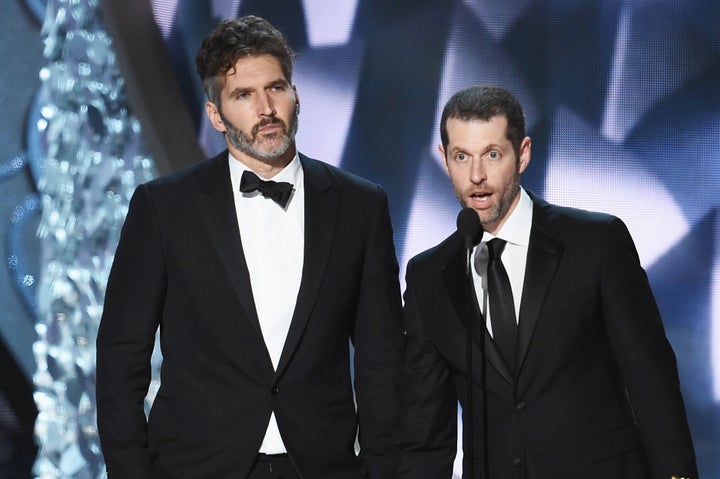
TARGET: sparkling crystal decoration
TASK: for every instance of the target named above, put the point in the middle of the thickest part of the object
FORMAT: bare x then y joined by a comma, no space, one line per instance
93,157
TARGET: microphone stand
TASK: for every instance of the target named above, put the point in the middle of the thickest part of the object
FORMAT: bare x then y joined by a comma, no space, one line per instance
469,407
470,229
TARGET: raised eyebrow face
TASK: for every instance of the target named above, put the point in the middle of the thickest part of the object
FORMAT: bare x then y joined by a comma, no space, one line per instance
494,147
456,150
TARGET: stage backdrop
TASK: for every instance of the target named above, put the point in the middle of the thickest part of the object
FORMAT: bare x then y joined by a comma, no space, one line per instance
622,100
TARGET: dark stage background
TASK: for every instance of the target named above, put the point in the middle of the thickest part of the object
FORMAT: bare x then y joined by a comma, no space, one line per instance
623,105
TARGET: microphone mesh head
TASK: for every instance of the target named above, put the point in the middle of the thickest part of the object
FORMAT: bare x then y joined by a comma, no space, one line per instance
468,225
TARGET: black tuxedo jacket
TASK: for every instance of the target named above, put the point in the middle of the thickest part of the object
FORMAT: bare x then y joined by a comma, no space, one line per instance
179,265
596,393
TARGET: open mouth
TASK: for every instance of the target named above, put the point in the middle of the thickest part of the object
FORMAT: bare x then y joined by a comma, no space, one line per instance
480,197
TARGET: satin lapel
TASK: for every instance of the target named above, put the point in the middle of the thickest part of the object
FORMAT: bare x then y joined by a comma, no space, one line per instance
544,254
453,275
322,201
217,209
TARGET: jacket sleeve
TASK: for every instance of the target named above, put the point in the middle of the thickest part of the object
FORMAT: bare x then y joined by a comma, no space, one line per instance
428,435
378,342
645,357
131,314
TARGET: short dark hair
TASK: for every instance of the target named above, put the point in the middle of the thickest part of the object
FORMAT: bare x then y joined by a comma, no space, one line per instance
484,102
231,40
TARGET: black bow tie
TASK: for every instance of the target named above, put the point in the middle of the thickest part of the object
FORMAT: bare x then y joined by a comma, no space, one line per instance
277,191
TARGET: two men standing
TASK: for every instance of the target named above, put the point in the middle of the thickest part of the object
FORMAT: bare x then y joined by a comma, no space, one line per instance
261,265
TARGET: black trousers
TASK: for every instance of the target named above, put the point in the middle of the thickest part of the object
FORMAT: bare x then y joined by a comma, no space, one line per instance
273,466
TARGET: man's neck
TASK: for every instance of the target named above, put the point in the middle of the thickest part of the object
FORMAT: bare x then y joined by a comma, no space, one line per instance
265,168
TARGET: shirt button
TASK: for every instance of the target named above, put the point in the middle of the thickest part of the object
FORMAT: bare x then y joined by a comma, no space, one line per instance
275,390
521,406
517,462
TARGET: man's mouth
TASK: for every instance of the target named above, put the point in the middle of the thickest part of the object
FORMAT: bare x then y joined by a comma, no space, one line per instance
267,127
480,197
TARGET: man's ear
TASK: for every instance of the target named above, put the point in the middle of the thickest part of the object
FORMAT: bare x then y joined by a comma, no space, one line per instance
525,154
297,100
213,115
444,158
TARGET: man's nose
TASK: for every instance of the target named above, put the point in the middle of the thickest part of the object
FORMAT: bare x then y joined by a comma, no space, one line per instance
265,105
477,171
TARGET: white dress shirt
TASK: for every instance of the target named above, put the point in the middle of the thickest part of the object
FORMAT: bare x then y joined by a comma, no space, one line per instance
273,242
516,232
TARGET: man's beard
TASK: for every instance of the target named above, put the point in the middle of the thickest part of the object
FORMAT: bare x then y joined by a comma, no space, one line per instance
249,144
494,215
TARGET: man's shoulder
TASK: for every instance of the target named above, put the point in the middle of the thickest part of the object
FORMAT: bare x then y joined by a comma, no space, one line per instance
576,226
317,170
181,179
437,255
568,214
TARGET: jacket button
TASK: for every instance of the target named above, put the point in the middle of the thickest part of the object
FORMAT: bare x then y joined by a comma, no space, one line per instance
275,390
517,462
521,406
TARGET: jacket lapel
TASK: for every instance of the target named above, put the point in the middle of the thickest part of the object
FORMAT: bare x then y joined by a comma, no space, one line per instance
454,274
217,209
544,254
322,201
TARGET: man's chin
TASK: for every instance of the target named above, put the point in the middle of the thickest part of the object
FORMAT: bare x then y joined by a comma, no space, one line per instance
271,154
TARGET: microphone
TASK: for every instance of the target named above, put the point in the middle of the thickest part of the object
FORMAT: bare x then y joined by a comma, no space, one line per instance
469,227
470,230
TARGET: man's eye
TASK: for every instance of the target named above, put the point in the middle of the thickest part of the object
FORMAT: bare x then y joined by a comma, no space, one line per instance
494,155
461,157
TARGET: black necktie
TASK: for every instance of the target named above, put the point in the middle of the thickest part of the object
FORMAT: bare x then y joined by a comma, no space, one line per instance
502,306
277,191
